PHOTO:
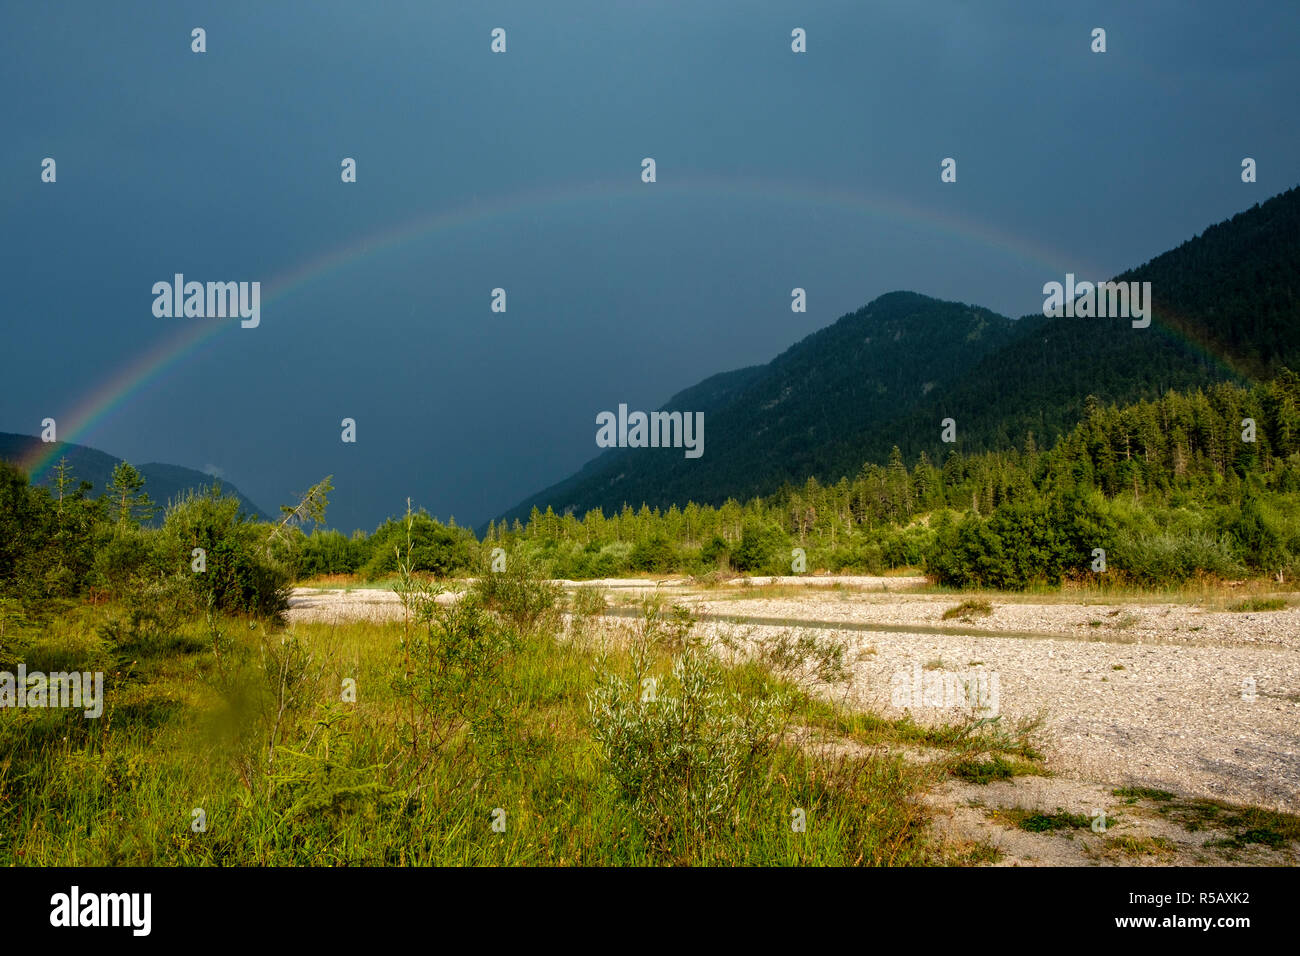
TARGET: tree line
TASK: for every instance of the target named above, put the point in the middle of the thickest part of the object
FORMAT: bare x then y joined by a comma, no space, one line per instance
1195,483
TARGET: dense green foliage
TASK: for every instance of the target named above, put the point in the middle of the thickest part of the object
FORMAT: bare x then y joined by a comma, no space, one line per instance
1167,488
207,554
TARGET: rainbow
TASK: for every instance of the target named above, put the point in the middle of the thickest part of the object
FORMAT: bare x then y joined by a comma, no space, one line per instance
116,391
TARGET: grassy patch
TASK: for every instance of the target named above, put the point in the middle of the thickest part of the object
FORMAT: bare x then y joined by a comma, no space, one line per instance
971,740
1137,846
383,743
971,607
1241,826
1258,604
994,768
1134,794
1038,822
1264,836
972,854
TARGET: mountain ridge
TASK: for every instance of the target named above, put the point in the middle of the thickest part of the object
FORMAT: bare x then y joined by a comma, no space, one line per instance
163,482
1226,307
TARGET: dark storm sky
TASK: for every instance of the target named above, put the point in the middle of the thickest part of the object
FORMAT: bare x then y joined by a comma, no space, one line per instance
775,170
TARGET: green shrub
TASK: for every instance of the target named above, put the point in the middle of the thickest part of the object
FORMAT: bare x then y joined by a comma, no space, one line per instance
1261,537
715,554
1169,557
519,593
608,561
127,556
435,548
329,552
456,660
589,601
240,577
654,554
679,751
763,548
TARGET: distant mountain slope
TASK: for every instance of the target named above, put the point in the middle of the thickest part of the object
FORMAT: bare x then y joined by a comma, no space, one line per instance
1235,288
163,482
1227,307
773,423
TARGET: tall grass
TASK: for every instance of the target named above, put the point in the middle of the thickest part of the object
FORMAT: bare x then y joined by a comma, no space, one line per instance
473,732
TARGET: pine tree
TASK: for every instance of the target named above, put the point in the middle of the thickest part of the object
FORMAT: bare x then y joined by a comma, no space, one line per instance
126,492
62,481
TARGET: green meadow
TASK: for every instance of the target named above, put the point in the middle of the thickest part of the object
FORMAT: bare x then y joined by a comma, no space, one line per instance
514,727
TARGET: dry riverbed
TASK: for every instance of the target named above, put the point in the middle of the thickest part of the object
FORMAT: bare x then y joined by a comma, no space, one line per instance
1185,698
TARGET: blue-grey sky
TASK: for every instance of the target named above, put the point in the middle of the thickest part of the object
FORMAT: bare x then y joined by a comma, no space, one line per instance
775,170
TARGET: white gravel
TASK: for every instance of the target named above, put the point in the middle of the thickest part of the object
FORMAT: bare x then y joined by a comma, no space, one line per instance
1198,702
1156,695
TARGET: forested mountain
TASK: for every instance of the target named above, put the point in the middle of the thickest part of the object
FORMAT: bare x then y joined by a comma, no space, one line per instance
1204,483
784,420
163,483
1235,289
1226,308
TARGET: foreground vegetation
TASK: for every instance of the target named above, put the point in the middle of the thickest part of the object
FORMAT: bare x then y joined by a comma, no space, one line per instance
479,731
